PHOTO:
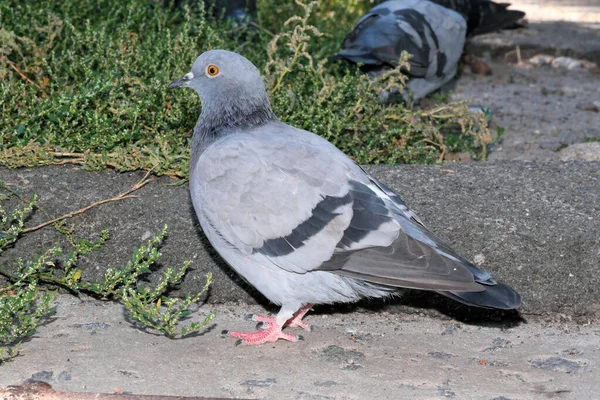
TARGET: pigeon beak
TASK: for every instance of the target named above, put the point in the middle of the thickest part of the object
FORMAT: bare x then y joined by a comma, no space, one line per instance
177,83
181,82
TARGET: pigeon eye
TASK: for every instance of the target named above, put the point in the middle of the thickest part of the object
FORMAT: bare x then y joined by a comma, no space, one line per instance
212,70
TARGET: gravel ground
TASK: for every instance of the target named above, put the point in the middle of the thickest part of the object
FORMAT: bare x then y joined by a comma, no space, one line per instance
542,109
90,346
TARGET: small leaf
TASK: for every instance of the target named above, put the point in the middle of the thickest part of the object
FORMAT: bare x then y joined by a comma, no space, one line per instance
76,276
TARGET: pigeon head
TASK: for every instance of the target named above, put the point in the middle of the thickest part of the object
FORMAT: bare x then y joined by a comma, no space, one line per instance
231,90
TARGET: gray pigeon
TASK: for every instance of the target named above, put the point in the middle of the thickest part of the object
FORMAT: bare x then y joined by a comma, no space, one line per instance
298,219
433,34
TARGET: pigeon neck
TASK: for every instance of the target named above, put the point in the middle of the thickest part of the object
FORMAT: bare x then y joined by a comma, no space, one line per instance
214,124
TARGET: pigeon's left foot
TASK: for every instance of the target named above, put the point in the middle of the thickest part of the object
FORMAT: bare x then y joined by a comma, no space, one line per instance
270,330
271,333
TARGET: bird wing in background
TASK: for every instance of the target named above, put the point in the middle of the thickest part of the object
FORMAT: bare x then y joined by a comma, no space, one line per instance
432,34
380,37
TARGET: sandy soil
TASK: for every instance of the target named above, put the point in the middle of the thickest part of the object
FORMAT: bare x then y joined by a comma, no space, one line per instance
541,109
92,347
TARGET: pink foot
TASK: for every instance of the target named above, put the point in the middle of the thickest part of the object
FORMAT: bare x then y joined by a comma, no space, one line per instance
271,333
296,320
268,330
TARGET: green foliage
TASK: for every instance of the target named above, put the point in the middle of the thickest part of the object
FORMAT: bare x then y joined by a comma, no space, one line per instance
11,223
21,308
86,83
162,313
22,304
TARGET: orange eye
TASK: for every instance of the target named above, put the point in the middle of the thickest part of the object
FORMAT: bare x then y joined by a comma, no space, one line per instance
212,70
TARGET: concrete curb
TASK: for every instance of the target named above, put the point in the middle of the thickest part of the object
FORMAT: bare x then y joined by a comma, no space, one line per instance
534,226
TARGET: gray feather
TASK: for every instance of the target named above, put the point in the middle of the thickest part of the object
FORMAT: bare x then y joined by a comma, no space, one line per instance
433,34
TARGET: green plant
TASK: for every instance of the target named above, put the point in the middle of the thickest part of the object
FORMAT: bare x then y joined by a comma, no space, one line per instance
21,308
155,310
23,305
86,83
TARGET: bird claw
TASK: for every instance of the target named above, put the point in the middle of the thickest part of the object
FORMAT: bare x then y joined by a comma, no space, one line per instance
271,334
269,330
261,326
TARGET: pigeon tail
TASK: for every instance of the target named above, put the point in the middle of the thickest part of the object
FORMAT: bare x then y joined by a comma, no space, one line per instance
484,16
495,17
498,296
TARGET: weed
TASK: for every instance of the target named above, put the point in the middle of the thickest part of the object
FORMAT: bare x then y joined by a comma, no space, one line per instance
23,305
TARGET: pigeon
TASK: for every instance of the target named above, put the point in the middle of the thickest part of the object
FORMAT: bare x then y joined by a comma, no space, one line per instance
484,16
432,34
298,219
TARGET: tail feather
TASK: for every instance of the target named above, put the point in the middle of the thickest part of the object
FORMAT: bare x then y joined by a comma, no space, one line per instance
495,18
498,296
484,16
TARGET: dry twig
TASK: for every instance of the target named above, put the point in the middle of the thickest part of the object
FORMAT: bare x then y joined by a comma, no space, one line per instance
122,196
22,75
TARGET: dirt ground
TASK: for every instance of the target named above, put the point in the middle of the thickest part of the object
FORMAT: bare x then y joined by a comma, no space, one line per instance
90,346
542,109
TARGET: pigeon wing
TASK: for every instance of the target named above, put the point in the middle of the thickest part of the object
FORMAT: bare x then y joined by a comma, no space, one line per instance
381,35
288,198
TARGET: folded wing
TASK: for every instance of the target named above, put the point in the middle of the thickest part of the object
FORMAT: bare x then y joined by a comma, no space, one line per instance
301,205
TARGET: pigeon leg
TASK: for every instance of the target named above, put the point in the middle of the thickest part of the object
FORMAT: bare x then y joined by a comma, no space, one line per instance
296,320
271,329
264,319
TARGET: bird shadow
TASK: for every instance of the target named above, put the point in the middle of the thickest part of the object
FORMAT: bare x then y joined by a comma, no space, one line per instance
431,304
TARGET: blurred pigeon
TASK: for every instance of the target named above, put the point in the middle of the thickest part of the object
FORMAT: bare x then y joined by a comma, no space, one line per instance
298,219
239,11
484,16
433,34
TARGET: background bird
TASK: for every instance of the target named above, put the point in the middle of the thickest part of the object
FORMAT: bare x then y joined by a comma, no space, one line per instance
484,16
432,34
298,219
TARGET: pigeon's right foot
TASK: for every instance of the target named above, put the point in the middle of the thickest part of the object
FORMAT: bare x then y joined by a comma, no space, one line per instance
270,333
296,320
